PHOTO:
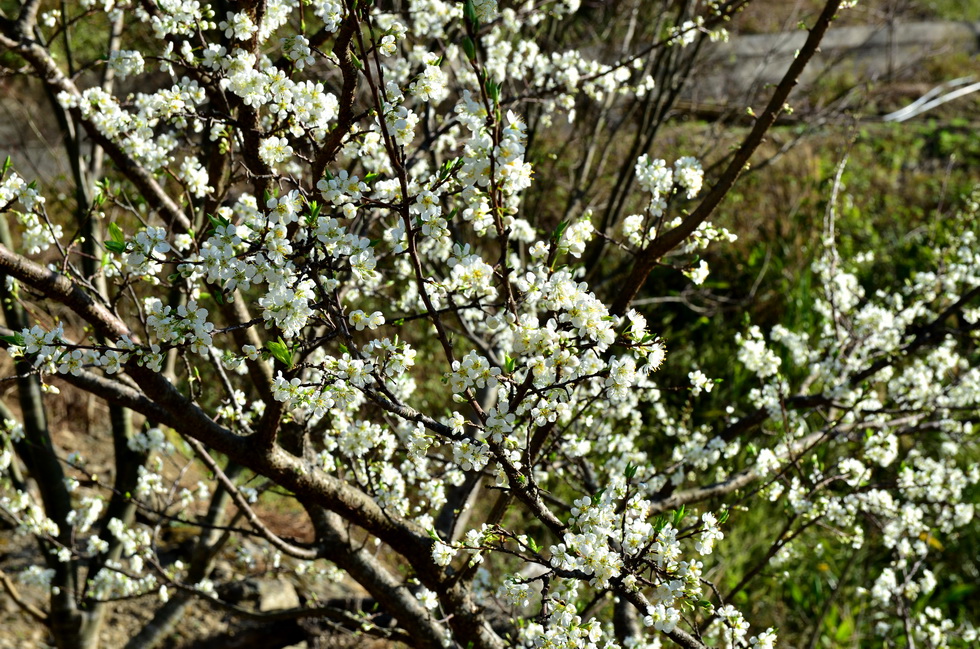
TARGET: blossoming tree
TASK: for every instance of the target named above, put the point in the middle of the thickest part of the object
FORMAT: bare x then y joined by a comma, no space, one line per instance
297,258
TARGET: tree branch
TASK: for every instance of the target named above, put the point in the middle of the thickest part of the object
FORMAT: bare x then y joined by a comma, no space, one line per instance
648,258
289,549
24,605
47,70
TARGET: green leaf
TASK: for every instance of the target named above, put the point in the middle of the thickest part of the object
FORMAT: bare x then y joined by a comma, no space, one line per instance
218,222
493,91
795,592
116,234
630,471
115,246
280,351
597,497
446,168
314,213
559,231
16,340
469,48
371,177
469,12
678,516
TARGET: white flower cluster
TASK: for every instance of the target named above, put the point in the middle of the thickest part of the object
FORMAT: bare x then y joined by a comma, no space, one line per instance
29,515
52,353
298,51
177,17
195,178
360,320
431,83
188,323
473,371
928,497
559,388
238,26
37,235
112,582
126,63
274,150
150,440
661,182
36,576
140,258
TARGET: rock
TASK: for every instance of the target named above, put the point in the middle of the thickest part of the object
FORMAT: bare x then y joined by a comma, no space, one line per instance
277,594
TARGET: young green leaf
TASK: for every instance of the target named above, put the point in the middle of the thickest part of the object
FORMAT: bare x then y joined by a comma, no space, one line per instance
597,497
678,516
630,471
116,234
16,340
559,231
469,48
280,352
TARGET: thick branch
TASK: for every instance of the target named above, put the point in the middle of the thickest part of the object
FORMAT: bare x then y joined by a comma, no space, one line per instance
700,494
184,416
369,572
345,116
